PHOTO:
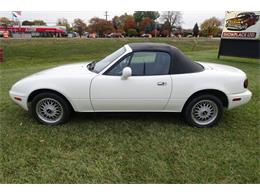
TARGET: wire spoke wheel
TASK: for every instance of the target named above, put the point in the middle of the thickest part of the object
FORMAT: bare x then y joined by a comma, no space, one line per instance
49,110
204,112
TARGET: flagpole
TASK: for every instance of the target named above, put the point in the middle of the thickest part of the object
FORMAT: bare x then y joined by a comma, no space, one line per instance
15,18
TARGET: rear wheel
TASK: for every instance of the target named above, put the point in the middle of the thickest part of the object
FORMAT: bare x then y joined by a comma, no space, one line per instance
203,111
50,109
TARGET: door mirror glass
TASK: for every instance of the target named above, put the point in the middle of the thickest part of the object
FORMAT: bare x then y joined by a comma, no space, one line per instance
127,72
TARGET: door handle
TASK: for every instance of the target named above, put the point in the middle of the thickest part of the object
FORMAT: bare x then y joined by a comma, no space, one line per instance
161,83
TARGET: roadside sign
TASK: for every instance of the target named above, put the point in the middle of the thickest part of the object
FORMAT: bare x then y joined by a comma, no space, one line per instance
241,25
241,34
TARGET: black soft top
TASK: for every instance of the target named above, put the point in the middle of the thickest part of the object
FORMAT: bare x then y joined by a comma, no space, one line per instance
180,63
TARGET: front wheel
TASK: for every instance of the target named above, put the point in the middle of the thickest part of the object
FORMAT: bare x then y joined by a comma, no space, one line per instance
203,111
50,109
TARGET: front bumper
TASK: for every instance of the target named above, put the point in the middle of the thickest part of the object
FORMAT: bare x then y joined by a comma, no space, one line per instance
235,27
23,99
244,98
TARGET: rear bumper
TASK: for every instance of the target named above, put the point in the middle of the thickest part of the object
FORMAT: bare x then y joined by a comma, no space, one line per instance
244,98
23,99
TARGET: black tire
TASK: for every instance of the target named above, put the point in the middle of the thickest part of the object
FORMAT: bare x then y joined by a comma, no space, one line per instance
193,111
62,104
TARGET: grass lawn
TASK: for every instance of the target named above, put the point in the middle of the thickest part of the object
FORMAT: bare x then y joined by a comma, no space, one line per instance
122,148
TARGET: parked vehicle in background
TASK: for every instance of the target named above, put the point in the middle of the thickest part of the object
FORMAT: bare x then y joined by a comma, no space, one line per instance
86,34
92,35
145,35
139,77
72,34
115,35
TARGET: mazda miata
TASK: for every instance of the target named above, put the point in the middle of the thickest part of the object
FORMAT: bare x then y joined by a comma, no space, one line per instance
138,77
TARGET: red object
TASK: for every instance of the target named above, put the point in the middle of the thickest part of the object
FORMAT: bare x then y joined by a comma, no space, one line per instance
1,55
236,99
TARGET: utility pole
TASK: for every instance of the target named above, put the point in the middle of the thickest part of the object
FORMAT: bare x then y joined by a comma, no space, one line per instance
106,14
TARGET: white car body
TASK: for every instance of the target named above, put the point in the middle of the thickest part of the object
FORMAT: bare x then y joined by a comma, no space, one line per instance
88,91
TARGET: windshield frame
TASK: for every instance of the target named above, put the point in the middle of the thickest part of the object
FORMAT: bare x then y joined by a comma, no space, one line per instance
115,58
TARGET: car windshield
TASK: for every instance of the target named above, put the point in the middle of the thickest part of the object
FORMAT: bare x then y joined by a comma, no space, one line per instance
241,15
100,65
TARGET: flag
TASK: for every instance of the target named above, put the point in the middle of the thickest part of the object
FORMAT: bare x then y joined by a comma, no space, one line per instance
16,13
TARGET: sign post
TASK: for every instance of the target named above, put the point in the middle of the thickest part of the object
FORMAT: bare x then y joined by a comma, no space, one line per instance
241,35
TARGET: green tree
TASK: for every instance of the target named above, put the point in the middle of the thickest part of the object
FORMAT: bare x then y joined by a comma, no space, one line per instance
131,32
147,25
210,27
63,22
117,23
195,30
79,26
39,23
35,22
27,23
140,15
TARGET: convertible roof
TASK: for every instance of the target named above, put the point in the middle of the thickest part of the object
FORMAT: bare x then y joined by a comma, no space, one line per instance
151,47
180,63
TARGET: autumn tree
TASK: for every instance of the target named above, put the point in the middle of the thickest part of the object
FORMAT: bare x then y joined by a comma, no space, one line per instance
5,21
210,27
195,30
147,25
171,19
129,23
100,26
63,22
125,23
79,26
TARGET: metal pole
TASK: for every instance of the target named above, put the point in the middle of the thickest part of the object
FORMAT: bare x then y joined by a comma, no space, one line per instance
106,14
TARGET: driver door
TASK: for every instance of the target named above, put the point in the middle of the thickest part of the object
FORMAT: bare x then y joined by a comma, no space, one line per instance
148,89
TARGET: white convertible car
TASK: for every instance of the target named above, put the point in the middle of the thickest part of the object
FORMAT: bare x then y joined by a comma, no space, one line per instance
139,77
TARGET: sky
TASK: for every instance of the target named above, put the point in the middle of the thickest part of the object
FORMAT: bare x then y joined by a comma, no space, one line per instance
189,18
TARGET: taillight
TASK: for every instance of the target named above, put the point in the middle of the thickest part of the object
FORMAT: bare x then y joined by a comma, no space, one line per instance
246,83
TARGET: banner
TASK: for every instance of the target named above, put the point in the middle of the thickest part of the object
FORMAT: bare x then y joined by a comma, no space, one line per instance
241,25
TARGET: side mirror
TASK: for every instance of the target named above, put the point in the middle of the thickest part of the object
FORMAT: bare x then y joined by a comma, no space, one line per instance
127,72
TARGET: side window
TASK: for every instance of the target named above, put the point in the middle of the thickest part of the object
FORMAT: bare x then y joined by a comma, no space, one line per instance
118,68
150,63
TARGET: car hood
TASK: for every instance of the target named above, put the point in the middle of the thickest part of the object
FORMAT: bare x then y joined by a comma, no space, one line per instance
68,69
54,75
235,20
